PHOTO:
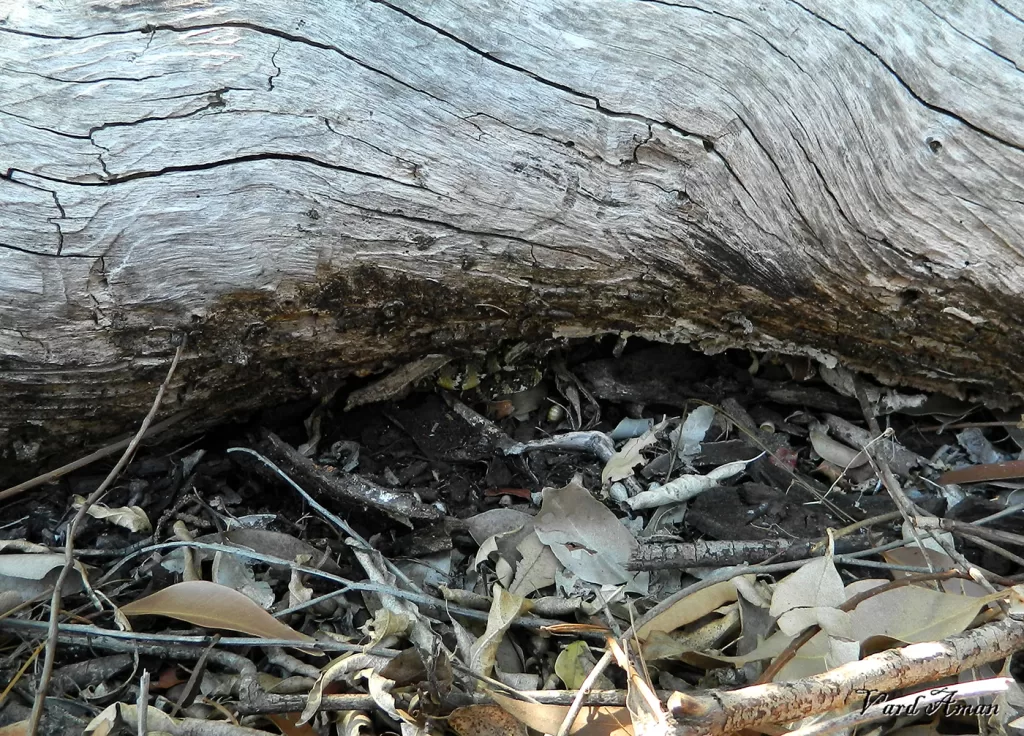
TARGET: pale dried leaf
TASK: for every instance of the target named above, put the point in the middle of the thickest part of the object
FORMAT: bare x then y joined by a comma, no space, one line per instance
386,623
373,563
354,722
814,585
486,549
188,569
213,606
574,663
821,654
931,539
234,573
379,688
621,464
690,608
691,433
496,521
29,576
835,451
274,544
831,620
913,614
584,535
338,669
111,718
30,566
505,608
536,569
464,640
645,708
591,721
298,591
686,487
132,518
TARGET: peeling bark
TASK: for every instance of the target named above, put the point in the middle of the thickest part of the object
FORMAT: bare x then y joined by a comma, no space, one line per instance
345,186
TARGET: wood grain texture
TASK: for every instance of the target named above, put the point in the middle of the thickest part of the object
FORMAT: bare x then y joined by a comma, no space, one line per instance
318,186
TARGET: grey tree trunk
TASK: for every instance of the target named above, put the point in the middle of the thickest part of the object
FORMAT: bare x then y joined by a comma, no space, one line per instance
339,186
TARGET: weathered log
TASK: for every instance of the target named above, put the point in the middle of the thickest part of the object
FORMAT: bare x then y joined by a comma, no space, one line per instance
317,187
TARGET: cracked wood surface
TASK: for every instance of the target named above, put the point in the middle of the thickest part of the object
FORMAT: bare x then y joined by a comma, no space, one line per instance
325,186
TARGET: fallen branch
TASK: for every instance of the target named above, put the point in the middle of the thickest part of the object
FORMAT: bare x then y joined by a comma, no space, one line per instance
943,699
727,712
345,487
683,555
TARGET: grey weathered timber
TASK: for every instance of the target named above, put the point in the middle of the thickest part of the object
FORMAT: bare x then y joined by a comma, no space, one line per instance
320,187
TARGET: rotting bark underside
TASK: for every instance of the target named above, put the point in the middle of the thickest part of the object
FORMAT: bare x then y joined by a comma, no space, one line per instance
347,185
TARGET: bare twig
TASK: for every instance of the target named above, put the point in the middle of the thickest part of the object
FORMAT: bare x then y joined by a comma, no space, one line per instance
347,487
715,553
331,517
142,704
581,695
69,549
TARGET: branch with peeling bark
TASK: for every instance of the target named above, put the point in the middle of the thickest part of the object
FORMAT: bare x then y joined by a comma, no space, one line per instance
726,712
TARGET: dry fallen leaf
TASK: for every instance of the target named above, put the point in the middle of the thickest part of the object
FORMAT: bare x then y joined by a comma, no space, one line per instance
505,608
816,584
485,720
113,716
917,557
690,608
688,436
287,723
574,663
214,606
834,451
686,487
591,721
132,518
913,614
273,544
537,567
27,576
621,464
584,535
645,709
337,669
236,573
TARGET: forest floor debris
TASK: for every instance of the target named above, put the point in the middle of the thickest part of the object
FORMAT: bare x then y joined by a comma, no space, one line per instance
584,537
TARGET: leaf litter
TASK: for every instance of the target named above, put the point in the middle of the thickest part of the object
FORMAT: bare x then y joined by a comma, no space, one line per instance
489,527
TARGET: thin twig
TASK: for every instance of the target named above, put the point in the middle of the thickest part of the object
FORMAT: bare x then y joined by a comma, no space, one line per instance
527,621
142,704
993,548
333,518
69,549
581,695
